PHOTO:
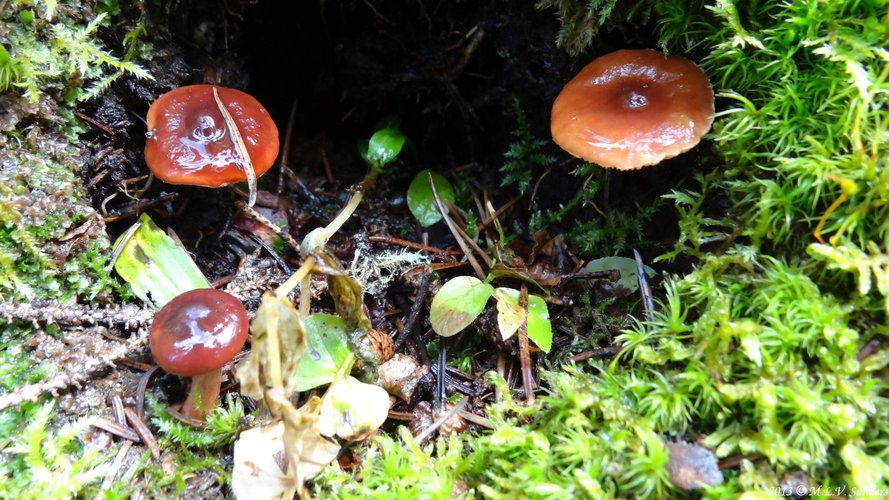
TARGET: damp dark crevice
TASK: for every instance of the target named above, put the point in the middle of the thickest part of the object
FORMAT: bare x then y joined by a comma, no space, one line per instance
450,71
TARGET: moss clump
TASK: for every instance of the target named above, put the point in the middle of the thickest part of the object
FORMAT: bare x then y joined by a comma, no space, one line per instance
39,462
51,59
52,244
194,454
583,428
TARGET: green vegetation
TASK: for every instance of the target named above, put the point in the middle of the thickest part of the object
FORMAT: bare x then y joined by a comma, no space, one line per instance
525,156
194,454
49,60
758,348
43,463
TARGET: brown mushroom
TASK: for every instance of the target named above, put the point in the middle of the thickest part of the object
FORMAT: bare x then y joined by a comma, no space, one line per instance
190,142
195,335
633,108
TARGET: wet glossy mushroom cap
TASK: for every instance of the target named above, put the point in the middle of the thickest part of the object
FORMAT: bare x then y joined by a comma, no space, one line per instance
198,331
633,108
189,142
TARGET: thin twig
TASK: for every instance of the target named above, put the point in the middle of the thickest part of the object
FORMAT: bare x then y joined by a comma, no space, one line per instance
610,275
269,250
271,225
95,124
736,460
498,213
601,353
118,430
141,388
455,231
475,419
240,148
440,396
118,249
524,352
410,244
414,312
136,208
117,409
441,420
644,289
143,431
285,150
115,465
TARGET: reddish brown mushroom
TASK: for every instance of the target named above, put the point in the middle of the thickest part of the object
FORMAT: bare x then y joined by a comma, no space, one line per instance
633,108
195,335
190,143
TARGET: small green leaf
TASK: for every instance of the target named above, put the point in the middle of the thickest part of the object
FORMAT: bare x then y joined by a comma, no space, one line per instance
457,304
540,330
327,348
629,279
421,201
383,147
352,409
155,266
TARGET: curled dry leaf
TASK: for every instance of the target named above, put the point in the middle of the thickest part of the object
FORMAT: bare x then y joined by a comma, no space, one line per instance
278,343
260,469
400,375
270,374
348,299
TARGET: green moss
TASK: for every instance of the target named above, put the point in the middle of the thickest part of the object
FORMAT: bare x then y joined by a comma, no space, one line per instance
42,463
51,58
189,452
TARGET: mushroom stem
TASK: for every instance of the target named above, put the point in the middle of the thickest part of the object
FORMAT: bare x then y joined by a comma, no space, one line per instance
203,395
369,180
316,240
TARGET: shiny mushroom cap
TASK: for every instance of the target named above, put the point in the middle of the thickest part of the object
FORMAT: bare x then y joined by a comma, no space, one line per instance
633,108
198,331
189,142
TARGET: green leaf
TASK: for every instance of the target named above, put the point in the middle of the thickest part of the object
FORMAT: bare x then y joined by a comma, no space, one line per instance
421,201
629,279
540,330
352,409
383,147
457,304
157,267
327,348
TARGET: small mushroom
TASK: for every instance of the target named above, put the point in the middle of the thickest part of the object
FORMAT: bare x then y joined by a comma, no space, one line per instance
633,108
195,335
189,141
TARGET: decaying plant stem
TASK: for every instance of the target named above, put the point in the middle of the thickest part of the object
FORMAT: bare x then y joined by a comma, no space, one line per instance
455,231
524,353
240,147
